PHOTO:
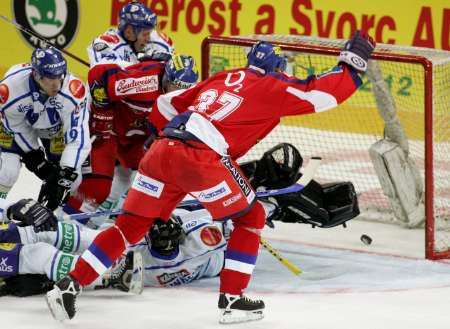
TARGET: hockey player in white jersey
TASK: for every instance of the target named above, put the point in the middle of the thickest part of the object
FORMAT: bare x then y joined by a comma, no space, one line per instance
44,124
135,36
188,247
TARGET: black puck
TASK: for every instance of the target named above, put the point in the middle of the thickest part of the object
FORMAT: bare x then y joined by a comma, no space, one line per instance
366,239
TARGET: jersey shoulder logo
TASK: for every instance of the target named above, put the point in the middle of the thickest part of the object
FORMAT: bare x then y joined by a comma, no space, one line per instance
76,88
211,236
56,21
4,93
111,38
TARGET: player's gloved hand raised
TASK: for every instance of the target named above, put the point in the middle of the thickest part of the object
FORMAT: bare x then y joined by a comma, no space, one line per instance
152,54
357,51
36,162
101,122
56,189
29,212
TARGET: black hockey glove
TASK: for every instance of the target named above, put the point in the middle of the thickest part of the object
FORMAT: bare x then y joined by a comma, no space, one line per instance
26,285
36,162
29,212
56,189
357,51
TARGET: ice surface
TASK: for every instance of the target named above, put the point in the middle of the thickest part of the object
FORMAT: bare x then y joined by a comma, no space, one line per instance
345,284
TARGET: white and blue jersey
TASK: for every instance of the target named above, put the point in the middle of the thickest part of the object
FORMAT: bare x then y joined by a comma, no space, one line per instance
200,255
29,115
112,47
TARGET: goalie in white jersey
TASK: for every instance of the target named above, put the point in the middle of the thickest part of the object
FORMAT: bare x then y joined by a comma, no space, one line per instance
44,124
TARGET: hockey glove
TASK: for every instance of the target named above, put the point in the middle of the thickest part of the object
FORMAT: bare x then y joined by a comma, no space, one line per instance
101,122
357,51
56,189
36,162
29,212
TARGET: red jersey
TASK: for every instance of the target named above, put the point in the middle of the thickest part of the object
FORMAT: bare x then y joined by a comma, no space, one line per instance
132,92
234,109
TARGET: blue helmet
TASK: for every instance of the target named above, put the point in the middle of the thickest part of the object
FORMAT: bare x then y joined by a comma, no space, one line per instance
265,56
138,16
48,62
181,71
281,63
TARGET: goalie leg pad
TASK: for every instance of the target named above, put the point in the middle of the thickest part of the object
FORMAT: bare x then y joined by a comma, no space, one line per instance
400,180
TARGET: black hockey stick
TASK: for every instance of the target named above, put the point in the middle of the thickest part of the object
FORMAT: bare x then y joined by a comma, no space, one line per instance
307,176
29,32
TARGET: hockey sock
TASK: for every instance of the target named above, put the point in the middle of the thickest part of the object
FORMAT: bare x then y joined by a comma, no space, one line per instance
106,248
242,251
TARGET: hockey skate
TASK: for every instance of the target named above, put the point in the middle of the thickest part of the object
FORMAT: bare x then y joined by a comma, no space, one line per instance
127,275
61,299
239,308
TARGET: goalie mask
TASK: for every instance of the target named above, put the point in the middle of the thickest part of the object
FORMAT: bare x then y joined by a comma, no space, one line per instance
279,167
165,237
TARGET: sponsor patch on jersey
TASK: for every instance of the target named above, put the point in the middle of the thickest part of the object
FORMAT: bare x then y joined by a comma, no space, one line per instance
111,38
239,178
99,46
4,93
148,185
232,200
211,236
76,87
214,193
137,85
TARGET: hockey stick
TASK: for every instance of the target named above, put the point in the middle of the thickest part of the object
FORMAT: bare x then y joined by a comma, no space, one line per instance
308,174
29,32
275,253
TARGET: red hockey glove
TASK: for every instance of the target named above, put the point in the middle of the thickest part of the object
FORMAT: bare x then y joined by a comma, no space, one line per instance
357,51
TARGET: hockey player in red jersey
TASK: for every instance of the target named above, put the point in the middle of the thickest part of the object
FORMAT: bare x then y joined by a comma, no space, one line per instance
121,102
204,130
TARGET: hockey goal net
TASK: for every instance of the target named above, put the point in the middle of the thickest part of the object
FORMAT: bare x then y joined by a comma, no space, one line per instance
412,82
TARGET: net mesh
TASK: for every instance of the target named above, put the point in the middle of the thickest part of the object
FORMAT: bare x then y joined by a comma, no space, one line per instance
343,136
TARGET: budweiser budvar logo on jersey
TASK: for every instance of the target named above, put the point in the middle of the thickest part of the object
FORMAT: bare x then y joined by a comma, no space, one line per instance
137,85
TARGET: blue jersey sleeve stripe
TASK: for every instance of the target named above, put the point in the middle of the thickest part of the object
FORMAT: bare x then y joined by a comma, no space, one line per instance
82,139
52,267
95,52
24,140
15,100
68,97
14,73
78,238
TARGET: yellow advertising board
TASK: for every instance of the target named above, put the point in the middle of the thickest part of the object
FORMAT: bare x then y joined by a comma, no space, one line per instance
73,24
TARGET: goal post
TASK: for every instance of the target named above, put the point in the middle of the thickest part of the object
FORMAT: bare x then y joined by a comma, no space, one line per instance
412,112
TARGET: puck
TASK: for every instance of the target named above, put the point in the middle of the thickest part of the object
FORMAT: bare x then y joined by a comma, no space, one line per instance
366,239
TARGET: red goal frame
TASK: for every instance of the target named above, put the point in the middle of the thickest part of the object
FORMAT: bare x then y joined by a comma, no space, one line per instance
427,65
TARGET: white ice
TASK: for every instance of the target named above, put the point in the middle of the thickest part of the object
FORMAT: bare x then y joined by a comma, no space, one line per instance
345,285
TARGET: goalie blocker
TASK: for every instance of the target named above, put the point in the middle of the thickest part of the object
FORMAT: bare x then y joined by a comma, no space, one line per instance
325,206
